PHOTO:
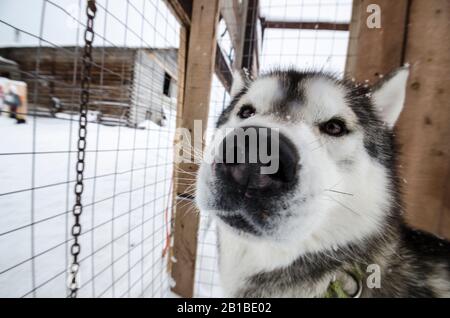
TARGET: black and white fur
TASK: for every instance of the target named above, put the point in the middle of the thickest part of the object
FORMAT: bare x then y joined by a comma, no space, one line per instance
345,209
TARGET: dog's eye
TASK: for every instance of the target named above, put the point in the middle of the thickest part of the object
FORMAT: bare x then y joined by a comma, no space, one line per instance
246,111
334,127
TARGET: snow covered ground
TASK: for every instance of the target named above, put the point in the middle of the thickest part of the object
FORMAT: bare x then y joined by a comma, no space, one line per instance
127,207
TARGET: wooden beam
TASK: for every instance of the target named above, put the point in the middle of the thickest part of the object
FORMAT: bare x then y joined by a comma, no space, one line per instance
250,57
423,129
181,64
303,25
199,71
233,12
182,10
223,69
372,51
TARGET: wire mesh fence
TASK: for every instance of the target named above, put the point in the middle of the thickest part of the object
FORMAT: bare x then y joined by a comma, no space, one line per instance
132,119
283,47
129,156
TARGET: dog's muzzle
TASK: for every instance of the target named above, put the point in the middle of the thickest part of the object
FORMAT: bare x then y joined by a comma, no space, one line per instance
256,161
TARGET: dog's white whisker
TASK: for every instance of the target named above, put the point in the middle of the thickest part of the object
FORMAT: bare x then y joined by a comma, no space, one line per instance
339,192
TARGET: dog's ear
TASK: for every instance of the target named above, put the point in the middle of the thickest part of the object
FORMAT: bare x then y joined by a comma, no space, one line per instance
389,95
241,79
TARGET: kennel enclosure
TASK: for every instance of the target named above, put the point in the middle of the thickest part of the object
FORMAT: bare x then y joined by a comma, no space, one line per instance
160,65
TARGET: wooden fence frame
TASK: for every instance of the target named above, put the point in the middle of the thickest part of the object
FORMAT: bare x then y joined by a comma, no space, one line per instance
197,57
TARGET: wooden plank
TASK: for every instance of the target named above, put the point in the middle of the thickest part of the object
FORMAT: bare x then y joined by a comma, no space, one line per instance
250,57
424,129
303,25
56,76
162,65
373,51
182,10
233,12
199,71
182,64
223,69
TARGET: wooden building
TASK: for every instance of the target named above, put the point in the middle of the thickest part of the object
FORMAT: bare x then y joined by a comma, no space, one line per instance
128,84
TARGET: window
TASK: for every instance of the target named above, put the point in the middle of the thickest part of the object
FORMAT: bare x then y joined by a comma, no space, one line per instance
167,82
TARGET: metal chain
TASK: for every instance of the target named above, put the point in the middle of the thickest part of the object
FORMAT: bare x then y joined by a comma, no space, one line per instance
77,210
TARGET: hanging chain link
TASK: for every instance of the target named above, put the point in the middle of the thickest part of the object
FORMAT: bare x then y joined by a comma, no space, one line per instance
77,210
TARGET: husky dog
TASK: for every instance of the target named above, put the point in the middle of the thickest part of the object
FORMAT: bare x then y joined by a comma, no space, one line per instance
328,222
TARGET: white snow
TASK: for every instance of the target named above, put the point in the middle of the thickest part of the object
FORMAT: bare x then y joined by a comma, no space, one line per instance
145,192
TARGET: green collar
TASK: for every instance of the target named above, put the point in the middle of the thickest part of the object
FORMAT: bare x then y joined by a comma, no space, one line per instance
336,287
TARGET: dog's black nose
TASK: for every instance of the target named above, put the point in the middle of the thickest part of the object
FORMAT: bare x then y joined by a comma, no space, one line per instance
257,158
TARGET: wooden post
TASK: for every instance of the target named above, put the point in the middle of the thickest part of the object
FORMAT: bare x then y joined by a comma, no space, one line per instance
199,70
417,32
372,51
303,25
424,126
234,13
181,63
250,54
182,10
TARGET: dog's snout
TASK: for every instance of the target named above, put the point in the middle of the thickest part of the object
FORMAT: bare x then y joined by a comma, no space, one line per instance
257,158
